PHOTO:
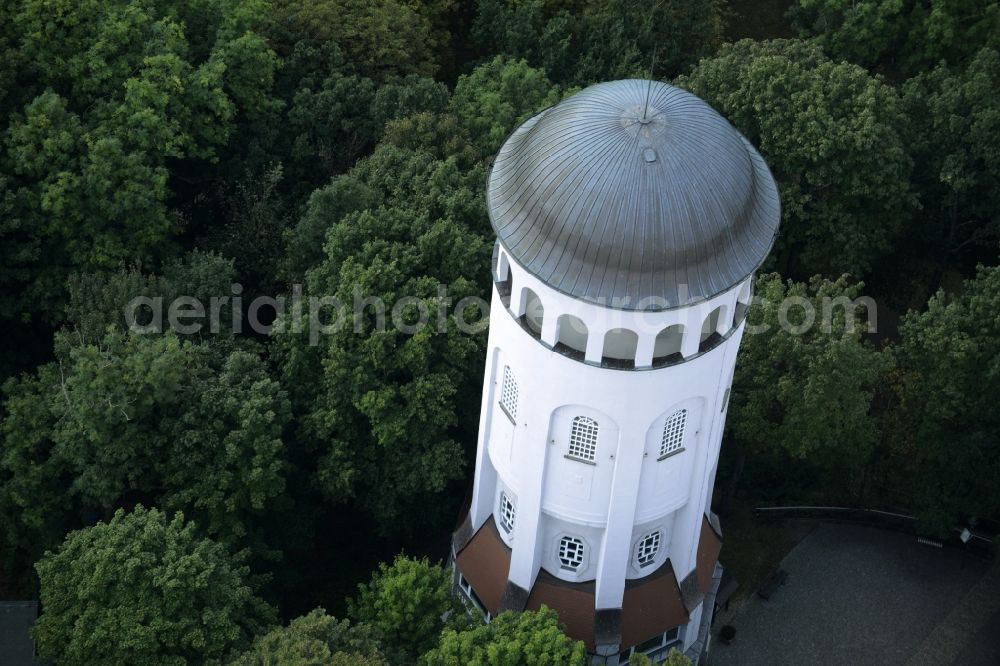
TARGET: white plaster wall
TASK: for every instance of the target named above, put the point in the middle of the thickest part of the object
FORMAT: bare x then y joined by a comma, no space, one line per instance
612,502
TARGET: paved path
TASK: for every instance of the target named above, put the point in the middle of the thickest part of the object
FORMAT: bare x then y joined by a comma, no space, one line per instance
962,627
983,648
859,596
16,620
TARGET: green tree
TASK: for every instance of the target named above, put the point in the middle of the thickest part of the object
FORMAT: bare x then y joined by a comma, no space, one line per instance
381,395
253,235
250,73
316,639
192,427
511,639
416,181
674,658
954,137
900,36
116,97
90,203
145,589
378,39
408,603
326,206
806,380
10,57
375,398
492,100
20,250
335,120
830,133
586,42
946,425
100,301
442,135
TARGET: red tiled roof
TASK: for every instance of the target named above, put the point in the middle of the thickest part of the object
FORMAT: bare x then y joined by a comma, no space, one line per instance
651,605
574,602
709,545
485,563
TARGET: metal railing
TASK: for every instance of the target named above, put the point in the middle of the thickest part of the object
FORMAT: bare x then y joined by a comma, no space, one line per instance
981,540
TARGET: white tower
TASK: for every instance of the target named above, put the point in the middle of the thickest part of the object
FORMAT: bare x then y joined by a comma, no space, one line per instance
630,219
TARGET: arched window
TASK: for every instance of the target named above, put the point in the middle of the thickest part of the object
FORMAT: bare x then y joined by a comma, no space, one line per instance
506,513
673,433
742,302
571,335
647,549
620,345
508,393
583,439
710,337
571,553
533,311
667,346
503,266
505,279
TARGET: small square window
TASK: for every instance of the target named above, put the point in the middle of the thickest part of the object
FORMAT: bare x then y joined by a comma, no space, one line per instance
508,393
571,552
506,513
647,549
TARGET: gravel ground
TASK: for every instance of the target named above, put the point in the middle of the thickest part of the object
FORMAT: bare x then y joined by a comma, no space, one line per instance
984,648
858,596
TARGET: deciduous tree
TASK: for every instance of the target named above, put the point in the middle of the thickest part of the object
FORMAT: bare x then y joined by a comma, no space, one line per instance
116,95
830,133
145,589
381,395
946,427
378,39
101,301
674,658
805,379
591,41
511,639
492,100
316,639
902,37
953,134
408,602
192,427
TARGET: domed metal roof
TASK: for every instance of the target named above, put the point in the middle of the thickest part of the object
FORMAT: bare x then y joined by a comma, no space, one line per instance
635,195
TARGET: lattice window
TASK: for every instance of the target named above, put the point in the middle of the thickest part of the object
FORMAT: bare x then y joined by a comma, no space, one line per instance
673,432
571,552
583,438
508,393
647,549
473,597
506,513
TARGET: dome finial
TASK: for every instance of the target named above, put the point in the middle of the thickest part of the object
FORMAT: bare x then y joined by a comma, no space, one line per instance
649,87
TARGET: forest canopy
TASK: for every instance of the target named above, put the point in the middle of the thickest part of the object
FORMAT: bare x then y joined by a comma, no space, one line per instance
235,151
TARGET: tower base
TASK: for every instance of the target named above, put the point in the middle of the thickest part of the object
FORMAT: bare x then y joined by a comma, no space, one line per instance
659,612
